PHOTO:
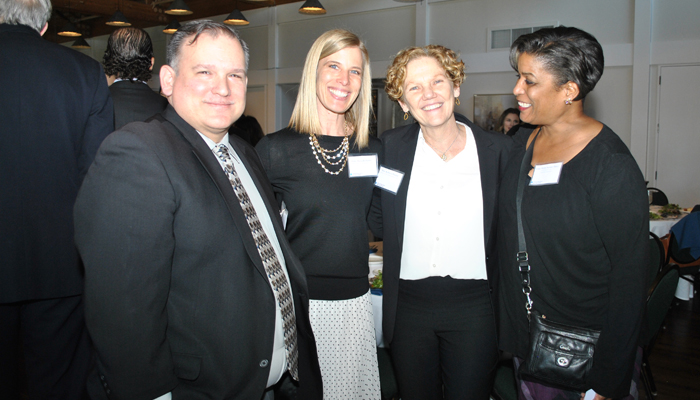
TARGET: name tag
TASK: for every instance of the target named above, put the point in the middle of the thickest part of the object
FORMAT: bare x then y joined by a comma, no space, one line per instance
389,179
546,174
362,165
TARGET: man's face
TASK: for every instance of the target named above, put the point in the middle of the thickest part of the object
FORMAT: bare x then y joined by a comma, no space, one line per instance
209,88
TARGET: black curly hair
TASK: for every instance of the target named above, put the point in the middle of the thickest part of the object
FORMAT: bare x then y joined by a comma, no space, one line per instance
128,55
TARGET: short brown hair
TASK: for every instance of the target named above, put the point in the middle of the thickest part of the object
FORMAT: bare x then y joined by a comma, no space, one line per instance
396,73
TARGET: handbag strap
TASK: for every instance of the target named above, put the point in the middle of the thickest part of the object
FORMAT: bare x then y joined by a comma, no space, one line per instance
522,256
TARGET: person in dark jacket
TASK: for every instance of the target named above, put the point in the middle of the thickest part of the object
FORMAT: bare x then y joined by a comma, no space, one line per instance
128,63
55,110
439,233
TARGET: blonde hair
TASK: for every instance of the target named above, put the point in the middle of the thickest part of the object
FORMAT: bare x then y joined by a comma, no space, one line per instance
396,73
305,115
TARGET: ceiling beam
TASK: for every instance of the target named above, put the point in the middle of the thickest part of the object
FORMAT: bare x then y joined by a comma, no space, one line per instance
90,15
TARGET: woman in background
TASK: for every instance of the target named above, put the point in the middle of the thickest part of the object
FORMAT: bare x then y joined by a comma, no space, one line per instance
439,233
311,167
586,222
507,120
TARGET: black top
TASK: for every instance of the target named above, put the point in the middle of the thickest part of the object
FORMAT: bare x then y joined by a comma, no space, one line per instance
327,223
587,239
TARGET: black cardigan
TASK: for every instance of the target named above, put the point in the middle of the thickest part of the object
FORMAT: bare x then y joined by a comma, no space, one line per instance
587,239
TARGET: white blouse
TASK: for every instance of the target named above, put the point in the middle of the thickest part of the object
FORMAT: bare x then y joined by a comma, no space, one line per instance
444,230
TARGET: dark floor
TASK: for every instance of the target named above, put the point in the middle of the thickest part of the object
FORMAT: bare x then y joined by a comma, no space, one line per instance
675,358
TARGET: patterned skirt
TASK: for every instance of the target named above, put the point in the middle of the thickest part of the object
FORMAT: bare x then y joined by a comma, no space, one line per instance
347,348
536,391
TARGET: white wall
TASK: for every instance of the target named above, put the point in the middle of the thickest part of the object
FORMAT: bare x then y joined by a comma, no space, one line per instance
637,37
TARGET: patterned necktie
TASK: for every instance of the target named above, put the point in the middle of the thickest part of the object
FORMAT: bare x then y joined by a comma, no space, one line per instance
276,276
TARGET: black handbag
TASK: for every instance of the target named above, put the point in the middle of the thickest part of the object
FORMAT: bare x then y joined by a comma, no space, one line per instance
559,355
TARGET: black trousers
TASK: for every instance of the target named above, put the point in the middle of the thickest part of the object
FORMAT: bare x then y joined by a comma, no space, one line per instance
444,344
49,338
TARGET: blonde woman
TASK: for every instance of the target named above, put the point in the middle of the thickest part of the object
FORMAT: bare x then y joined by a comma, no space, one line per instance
311,167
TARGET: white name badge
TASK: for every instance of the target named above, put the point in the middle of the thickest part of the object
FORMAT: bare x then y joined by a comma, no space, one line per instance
546,174
362,165
389,179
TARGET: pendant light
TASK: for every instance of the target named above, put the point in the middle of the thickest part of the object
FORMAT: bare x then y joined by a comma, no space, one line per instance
80,44
178,7
236,17
172,27
69,30
118,19
312,7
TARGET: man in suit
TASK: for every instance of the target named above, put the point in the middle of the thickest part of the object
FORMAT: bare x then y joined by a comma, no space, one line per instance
178,299
55,110
128,63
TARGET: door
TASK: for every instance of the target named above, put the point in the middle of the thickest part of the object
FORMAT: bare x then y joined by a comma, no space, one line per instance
678,140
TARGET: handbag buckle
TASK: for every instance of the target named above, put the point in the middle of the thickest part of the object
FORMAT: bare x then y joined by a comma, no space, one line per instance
522,259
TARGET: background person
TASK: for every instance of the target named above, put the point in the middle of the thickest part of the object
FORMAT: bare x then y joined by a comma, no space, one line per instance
507,120
188,273
309,164
47,144
439,233
128,63
248,128
586,228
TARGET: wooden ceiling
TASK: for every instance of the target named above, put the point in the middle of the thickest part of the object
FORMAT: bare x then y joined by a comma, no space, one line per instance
89,16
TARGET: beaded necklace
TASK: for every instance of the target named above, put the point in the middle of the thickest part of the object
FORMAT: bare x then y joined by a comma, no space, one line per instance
331,157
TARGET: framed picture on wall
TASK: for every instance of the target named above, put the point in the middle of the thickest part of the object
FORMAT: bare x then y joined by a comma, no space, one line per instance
488,108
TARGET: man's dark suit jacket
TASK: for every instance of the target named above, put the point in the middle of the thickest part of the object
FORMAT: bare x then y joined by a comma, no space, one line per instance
177,299
134,101
399,147
55,110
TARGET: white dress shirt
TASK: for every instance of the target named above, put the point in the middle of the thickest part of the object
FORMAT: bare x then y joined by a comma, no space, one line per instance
444,229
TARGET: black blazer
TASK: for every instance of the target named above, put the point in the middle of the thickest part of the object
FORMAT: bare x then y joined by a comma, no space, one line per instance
399,150
176,295
55,110
134,101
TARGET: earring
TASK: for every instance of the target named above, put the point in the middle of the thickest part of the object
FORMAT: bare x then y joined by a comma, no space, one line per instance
457,100
568,102
405,116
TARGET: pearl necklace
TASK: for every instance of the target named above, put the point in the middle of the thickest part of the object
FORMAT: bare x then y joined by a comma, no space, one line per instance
331,157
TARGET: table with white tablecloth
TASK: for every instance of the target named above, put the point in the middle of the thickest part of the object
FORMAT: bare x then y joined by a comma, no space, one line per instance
376,264
661,227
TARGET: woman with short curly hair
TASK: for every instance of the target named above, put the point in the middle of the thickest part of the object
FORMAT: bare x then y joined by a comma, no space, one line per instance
439,233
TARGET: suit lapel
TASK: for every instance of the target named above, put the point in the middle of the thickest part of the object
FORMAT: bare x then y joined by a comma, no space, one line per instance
208,160
403,157
488,168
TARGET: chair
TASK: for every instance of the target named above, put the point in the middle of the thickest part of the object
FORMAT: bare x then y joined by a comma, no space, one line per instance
504,384
658,198
657,258
658,303
387,380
